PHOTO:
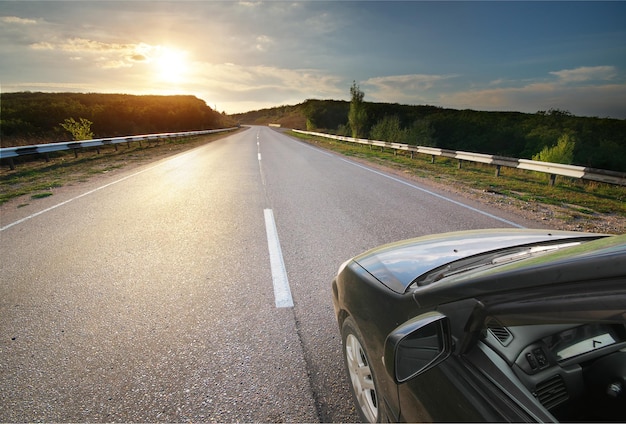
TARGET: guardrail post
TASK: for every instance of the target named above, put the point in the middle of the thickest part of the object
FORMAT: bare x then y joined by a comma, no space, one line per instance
412,154
432,158
11,164
460,163
498,170
75,153
552,180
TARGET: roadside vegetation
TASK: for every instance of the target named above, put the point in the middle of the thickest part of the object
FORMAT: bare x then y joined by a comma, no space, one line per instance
585,141
80,130
35,118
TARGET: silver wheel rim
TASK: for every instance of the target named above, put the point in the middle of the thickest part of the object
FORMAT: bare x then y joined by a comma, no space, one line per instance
361,376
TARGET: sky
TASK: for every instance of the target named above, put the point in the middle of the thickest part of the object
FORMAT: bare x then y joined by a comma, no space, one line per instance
240,56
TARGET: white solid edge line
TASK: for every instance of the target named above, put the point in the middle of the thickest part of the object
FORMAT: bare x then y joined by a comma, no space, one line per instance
282,292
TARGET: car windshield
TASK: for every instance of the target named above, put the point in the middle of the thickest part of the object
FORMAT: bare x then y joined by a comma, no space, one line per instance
489,259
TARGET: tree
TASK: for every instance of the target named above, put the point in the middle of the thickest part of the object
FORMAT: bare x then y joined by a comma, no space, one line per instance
357,116
387,129
562,152
421,133
79,130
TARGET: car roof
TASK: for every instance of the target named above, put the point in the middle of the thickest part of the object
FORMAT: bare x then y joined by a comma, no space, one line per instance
398,264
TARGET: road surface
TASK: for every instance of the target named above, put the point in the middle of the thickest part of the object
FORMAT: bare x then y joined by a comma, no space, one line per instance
197,288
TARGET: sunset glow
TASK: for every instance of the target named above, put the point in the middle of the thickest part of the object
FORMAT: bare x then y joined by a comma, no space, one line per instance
171,65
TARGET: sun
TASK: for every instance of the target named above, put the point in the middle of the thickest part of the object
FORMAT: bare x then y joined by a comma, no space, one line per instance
171,65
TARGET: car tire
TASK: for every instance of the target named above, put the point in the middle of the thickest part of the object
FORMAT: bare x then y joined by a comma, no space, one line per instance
363,380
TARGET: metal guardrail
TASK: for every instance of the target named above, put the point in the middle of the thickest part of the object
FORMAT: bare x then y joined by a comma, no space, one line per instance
12,152
553,169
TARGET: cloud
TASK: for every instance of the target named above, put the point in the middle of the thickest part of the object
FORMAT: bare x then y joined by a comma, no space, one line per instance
402,88
321,23
138,57
43,45
105,55
573,90
52,86
84,45
590,100
263,42
236,87
586,73
16,20
113,64
251,3
237,78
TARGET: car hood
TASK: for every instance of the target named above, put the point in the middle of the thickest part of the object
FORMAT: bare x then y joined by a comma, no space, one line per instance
397,265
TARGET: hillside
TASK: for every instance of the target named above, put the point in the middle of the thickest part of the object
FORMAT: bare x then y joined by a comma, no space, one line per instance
286,116
599,142
31,118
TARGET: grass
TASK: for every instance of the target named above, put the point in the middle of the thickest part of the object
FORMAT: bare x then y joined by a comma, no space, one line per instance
41,195
36,177
575,198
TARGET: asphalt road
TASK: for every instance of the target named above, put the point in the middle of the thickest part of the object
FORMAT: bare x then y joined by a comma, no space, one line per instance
148,295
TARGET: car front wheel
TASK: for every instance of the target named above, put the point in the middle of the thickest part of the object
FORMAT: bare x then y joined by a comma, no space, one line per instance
362,379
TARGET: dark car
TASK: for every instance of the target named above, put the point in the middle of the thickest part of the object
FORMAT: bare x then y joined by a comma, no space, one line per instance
490,325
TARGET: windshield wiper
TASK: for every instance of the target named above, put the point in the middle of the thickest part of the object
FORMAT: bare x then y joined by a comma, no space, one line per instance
488,260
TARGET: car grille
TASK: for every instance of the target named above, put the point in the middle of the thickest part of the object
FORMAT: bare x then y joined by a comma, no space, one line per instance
552,392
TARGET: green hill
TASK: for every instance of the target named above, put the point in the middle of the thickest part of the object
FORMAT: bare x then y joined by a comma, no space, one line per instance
31,118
